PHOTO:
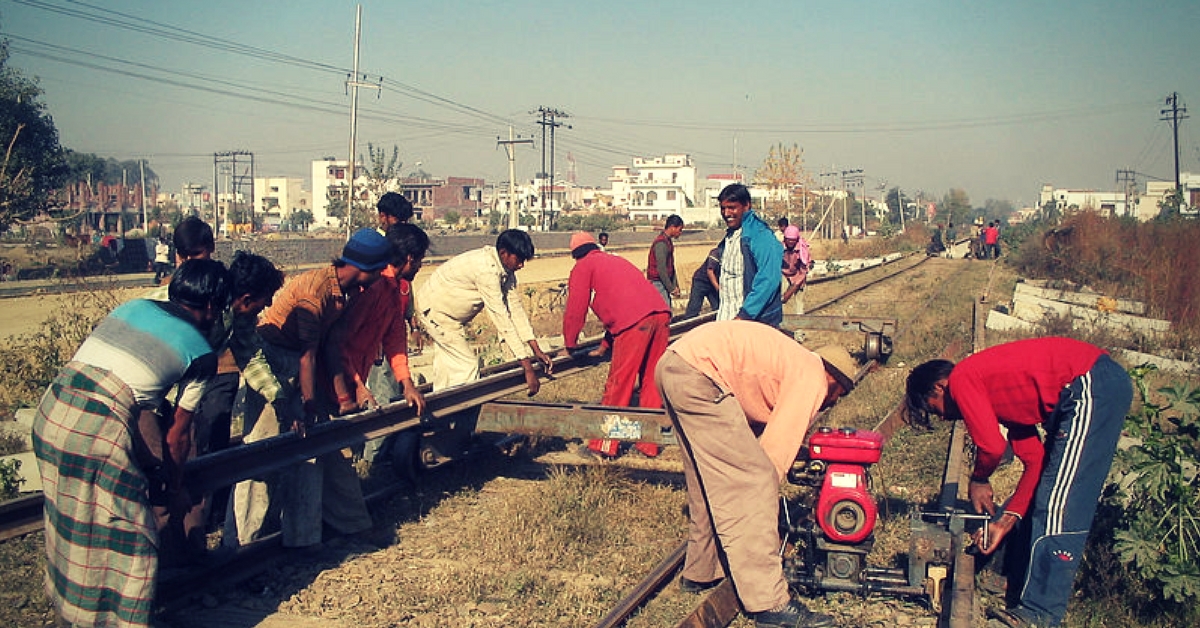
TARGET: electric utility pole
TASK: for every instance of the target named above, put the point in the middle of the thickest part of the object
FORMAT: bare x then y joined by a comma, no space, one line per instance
1175,113
353,82
549,120
1127,179
855,178
508,144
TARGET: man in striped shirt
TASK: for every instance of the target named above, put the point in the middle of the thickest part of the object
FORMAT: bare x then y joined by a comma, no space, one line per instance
1078,397
105,453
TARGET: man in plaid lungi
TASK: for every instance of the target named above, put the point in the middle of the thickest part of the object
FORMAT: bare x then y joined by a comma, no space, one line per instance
99,471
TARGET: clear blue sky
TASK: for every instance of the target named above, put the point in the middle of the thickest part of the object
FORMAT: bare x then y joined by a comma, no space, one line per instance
994,98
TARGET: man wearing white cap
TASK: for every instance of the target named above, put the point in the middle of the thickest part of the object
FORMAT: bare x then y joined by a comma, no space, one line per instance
635,322
742,396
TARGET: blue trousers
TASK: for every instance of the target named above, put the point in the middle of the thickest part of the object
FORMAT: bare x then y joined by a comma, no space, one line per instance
1081,438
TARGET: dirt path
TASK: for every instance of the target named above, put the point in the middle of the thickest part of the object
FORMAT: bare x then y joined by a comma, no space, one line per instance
24,315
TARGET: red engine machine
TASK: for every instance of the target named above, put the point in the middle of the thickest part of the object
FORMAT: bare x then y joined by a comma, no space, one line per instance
829,528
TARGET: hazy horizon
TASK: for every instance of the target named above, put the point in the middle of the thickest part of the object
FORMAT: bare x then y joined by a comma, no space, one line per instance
925,96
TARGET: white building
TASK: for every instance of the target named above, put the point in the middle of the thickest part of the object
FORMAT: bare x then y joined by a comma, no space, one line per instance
1141,205
278,197
1107,204
657,187
1146,205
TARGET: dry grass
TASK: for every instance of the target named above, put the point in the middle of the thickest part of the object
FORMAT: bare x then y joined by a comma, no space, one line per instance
29,362
1155,262
555,552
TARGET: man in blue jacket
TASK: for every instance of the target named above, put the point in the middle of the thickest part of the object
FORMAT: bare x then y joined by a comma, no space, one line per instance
751,262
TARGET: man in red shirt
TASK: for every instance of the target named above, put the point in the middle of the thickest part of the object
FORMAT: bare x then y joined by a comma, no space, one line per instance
1078,396
660,267
635,322
991,239
376,321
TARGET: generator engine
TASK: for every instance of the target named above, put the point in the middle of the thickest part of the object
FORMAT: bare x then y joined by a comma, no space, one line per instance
829,528
845,510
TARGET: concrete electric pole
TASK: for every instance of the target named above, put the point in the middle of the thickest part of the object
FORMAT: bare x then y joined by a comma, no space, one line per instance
508,144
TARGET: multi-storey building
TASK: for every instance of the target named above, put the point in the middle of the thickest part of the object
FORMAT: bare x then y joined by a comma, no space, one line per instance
656,187
278,197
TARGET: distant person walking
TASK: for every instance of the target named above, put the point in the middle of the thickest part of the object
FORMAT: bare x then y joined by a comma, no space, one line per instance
751,262
162,260
797,260
660,267
991,239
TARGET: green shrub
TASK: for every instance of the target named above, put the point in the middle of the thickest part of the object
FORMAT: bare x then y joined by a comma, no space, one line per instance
10,479
1158,538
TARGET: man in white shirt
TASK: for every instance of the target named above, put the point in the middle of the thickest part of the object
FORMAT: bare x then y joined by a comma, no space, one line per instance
458,290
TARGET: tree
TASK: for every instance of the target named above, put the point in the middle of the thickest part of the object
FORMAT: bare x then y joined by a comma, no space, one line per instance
782,170
33,163
998,209
955,207
1170,205
96,169
382,174
300,219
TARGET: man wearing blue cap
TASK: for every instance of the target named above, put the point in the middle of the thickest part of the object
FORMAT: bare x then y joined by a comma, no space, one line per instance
293,330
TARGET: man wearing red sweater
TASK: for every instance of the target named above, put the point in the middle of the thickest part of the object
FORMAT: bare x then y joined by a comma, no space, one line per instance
634,316
1078,396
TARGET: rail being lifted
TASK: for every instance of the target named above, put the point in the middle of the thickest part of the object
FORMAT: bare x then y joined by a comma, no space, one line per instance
24,515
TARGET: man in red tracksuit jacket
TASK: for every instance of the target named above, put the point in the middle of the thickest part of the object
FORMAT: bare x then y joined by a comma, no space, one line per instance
1079,396
634,316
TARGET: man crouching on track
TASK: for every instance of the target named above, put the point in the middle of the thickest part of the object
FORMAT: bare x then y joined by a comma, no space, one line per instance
1079,396
742,396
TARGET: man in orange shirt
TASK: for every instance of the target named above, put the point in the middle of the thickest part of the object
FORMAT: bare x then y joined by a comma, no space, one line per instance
375,321
741,396
294,330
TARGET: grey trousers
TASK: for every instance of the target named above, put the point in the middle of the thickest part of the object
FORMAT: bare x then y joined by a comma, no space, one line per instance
325,489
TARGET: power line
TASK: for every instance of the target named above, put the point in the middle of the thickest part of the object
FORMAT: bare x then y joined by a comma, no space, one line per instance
134,23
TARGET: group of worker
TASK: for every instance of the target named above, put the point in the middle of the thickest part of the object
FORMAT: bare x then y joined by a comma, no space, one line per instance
161,379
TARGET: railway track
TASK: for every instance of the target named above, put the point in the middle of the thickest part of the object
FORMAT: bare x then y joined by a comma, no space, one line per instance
23,516
958,606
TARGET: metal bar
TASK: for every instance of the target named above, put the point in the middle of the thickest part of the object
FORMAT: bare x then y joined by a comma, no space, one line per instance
21,516
576,421
253,459
864,286
838,323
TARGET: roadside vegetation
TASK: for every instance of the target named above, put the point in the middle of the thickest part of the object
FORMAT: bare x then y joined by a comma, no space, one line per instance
1142,565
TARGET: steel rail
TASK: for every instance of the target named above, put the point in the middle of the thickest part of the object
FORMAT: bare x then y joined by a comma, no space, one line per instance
720,606
205,473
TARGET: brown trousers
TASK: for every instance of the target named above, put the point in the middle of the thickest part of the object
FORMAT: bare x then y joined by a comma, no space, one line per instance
181,525
733,492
